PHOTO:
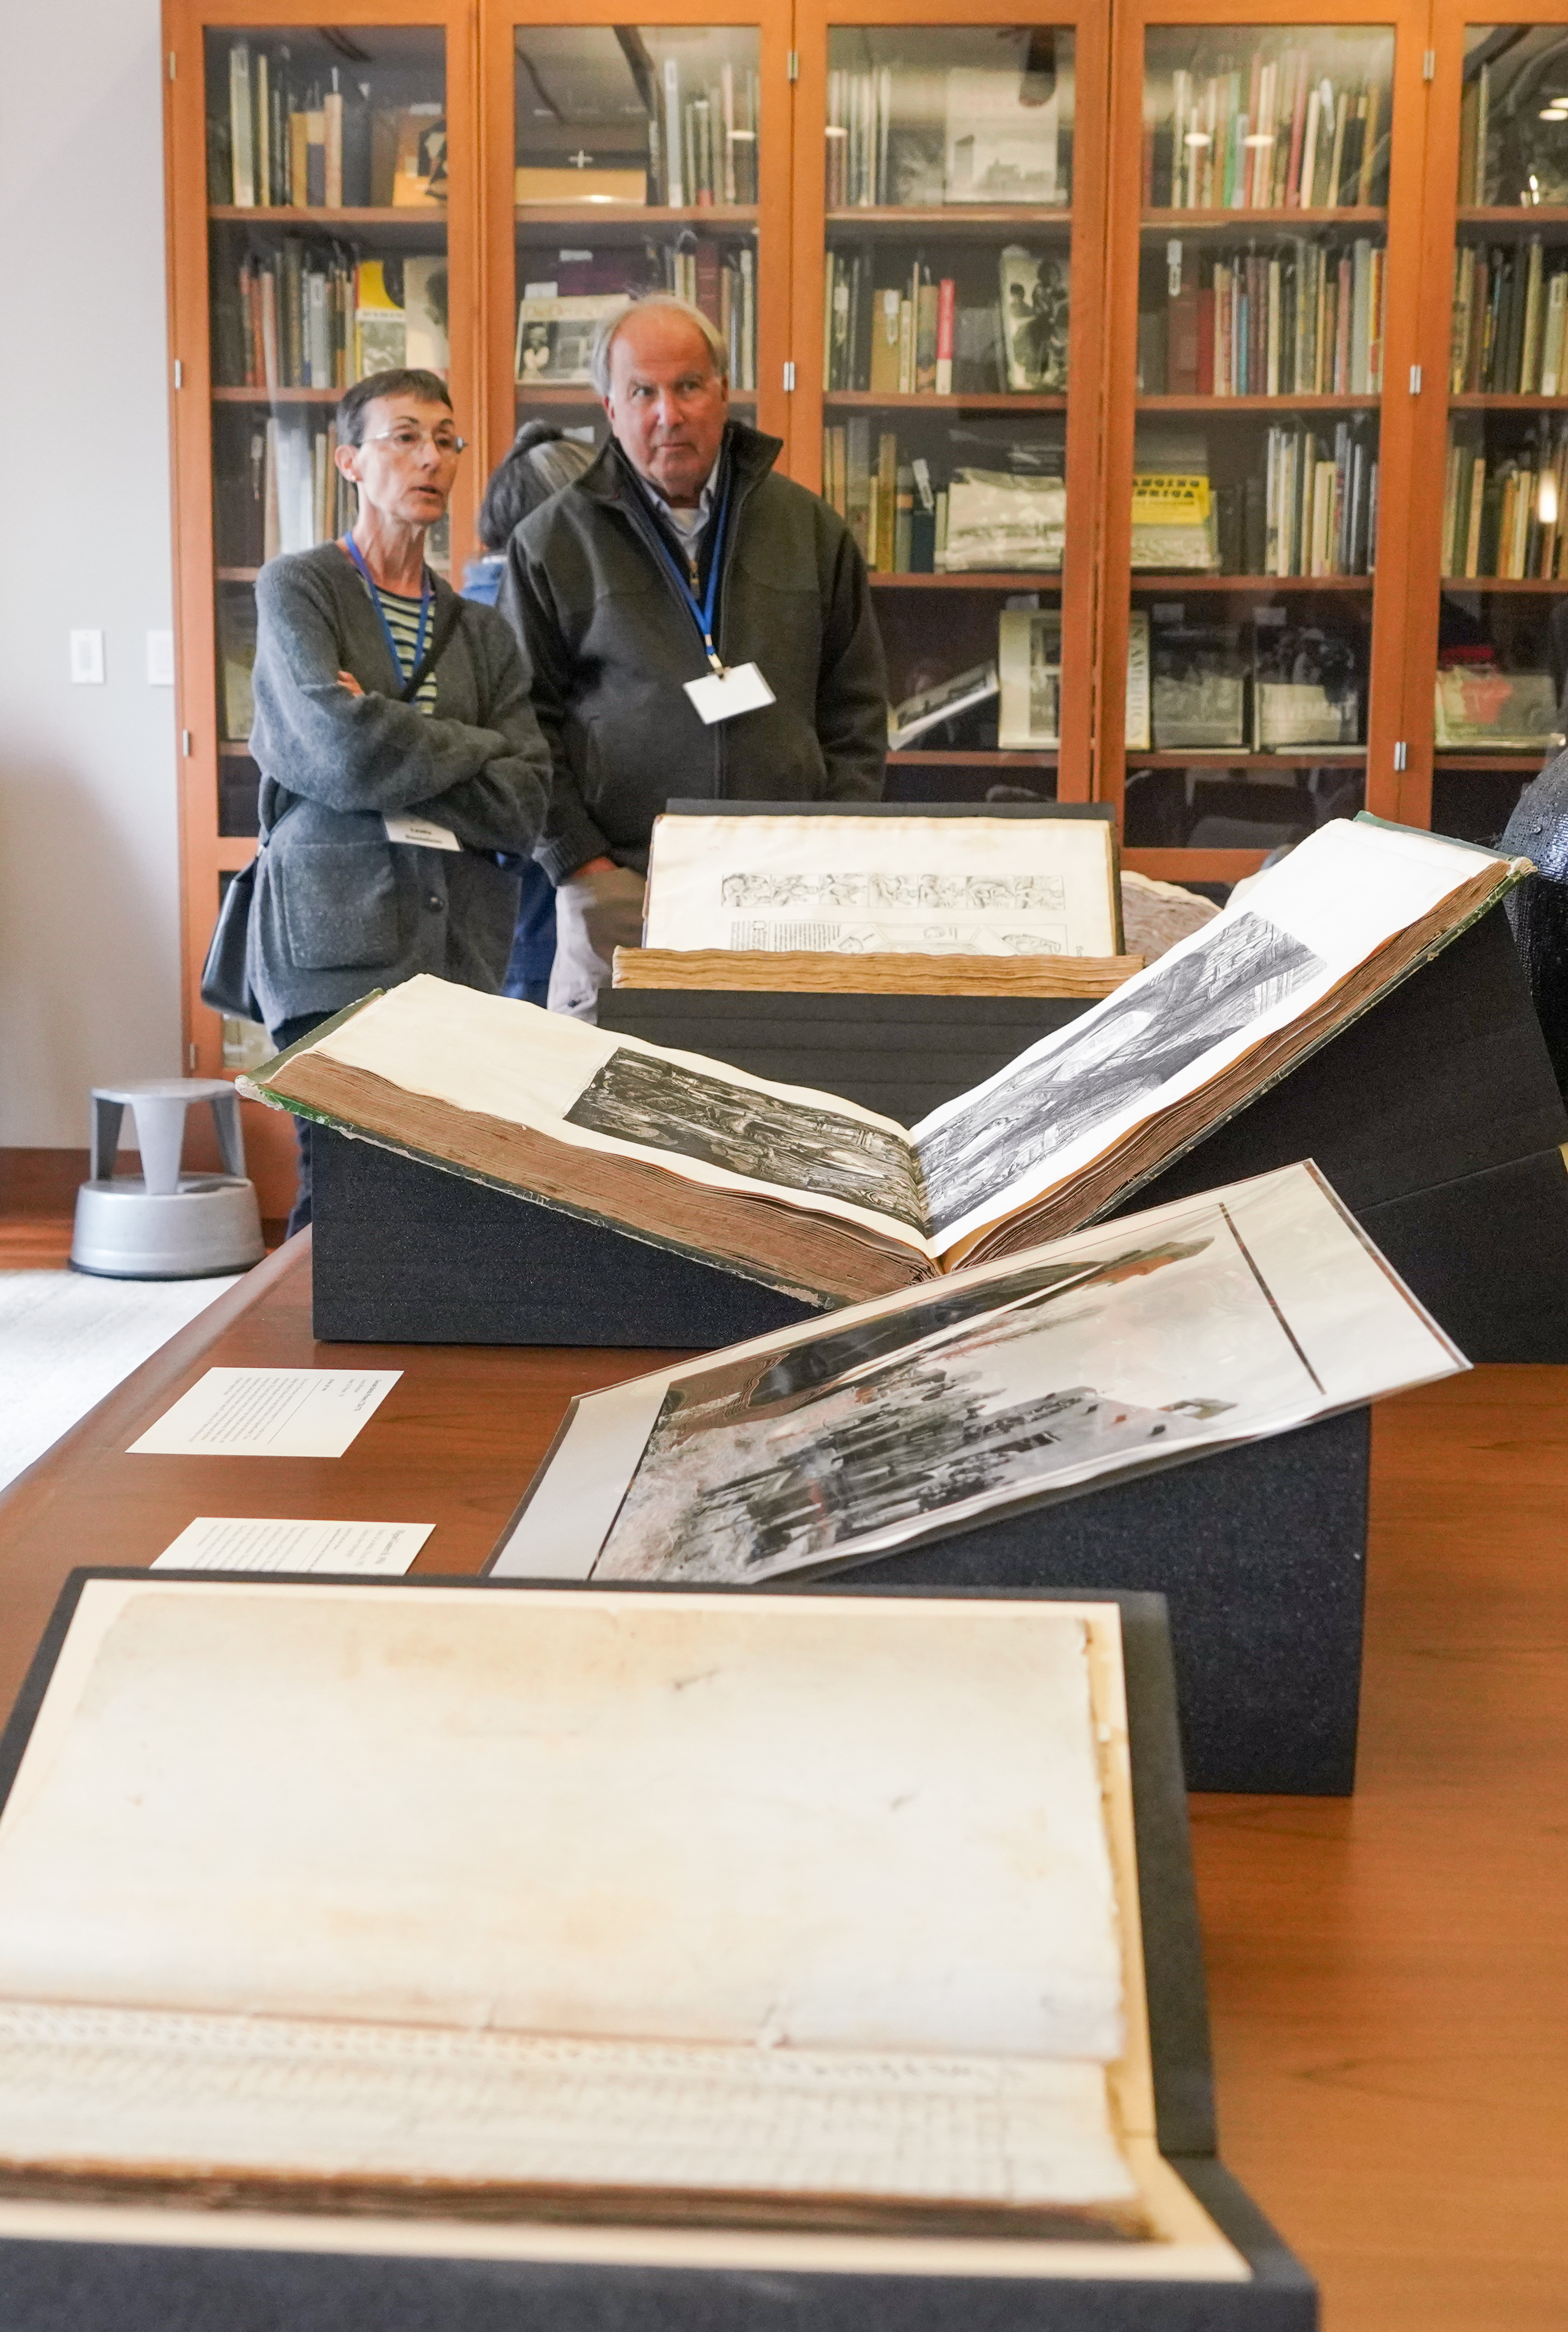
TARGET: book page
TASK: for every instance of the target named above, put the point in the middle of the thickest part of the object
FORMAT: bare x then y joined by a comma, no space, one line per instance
870,886
589,1090
798,1824
1152,1340
1171,1029
280,2097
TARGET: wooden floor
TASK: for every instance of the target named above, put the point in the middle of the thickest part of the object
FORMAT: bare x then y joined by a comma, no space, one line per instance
38,1205
1387,1974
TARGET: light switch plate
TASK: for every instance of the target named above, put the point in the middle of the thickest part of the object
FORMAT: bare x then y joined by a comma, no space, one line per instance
87,659
160,659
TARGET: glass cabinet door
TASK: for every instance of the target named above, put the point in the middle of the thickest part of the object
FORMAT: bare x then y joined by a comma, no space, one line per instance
643,158
1497,705
937,320
1262,298
329,184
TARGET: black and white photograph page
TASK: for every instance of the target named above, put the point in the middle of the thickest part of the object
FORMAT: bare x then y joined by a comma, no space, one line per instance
1216,1320
1263,965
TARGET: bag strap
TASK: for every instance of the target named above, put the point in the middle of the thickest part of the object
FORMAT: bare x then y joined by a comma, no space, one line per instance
449,615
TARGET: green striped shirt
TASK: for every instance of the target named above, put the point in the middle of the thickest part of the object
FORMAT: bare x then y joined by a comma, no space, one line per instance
403,622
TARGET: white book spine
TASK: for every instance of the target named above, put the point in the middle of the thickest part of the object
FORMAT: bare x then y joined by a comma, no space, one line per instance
674,142
241,120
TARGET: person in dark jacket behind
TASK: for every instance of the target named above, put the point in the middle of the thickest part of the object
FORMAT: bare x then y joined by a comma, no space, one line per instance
384,805
540,460
607,588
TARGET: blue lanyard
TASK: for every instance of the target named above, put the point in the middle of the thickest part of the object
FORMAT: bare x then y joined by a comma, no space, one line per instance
426,601
702,609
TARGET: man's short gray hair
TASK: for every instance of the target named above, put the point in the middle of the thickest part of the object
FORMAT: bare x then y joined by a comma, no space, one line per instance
665,302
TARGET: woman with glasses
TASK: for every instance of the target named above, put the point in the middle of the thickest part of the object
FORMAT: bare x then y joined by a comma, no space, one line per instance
399,756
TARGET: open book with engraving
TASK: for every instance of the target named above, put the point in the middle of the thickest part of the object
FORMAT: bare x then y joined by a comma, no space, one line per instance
1151,1341
793,1913
832,1203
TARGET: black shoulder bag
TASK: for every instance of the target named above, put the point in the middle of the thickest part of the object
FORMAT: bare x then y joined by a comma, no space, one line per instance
224,986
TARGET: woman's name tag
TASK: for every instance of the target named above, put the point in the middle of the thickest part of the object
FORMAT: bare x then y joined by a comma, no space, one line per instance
720,695
423,832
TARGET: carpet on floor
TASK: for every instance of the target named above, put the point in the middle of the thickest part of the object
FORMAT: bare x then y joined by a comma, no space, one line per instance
66,1340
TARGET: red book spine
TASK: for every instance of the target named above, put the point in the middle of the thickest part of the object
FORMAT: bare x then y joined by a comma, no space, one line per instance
946,302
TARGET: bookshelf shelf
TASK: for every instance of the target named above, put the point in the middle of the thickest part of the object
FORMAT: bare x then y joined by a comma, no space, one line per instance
1531,586
1247,586
314,216
236,574
940,223
1500,216
914,759
1206,757
1020,578
1252,221
1494,401
1523,762
228,394
962,401
637,218
1313,403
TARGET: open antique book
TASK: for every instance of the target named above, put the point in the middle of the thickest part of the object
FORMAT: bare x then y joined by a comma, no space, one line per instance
713,1911
1154,1340
858,882
833,1203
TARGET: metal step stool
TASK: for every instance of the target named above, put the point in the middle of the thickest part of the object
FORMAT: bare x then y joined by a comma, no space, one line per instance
162,1224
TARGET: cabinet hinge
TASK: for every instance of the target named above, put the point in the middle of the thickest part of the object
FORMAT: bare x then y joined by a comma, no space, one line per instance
1401,754
179,374
171,64
1429,64
191,1058
792,66
789,374
1415,380
186,743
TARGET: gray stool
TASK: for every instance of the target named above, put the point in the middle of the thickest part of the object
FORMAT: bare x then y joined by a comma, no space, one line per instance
162,1224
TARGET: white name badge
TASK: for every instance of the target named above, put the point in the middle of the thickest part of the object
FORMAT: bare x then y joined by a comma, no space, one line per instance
720,695
423,831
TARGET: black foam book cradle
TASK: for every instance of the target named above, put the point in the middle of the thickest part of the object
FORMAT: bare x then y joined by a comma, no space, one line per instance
102,2279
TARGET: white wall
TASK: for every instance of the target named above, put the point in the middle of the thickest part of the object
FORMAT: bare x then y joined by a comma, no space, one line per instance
89,863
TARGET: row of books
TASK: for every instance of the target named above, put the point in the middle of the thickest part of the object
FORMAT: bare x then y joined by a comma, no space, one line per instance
1310,510
1267,687
290,139
914,139
1481,706
705,148
556,328
1510,324
1504,517
1305,322
317,315
1282,137
909,521
915,336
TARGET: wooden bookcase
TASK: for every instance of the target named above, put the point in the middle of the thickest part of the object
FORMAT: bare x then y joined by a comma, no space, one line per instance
1498,622
534,91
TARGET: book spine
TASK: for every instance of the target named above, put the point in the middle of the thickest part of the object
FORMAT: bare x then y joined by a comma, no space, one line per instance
925,340
1298,133
905,348
1361,318
674,136
1468,104
1369,144
1276,303
332,146
946,302
727,112
242,148
1472,566
904,522
1337,164
886,501
1551,344
1481,184
1309,146
1530,335
264,134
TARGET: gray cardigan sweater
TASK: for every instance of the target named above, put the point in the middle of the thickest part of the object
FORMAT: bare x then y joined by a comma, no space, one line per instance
338,908
610,638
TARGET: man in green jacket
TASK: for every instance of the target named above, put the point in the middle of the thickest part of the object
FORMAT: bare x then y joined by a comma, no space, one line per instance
695,627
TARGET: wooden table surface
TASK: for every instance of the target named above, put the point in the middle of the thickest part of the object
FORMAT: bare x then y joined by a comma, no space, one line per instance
1387,1974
